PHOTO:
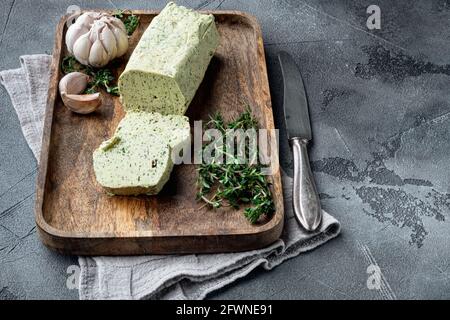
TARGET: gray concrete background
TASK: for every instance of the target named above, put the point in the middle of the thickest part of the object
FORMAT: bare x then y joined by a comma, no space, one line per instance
381,123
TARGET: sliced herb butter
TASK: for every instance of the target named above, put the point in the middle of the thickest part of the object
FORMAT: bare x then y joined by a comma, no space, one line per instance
169,62
132,165
137,159
172,129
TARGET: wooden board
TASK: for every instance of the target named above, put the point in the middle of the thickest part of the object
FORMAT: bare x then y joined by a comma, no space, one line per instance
75,216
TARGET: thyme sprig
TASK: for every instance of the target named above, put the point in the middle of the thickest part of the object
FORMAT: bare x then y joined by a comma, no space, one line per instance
130,20
102,79
70,64
232,183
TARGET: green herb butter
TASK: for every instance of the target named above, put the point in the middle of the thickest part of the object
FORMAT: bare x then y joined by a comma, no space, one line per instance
137,159
172,129
169,62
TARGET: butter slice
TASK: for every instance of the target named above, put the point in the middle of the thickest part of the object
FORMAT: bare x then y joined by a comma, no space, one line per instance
137,159
172,129
169,62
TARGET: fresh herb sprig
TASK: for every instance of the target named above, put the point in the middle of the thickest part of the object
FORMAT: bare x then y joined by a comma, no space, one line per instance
70,64
231,183
101,78
130,21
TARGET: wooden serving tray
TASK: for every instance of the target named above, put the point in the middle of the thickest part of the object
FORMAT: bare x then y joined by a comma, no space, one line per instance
73,213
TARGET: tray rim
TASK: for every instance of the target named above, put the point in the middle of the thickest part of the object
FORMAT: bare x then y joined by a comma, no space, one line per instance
49,234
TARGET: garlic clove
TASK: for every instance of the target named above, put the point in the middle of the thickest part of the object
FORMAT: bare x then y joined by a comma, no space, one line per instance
94,33
98,57
73,83
118,23
82,103
113,21
73,33
81,48
71,86
121,41
87,19
109,42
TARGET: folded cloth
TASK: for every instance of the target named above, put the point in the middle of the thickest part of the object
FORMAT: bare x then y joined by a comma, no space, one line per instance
190,276
28,88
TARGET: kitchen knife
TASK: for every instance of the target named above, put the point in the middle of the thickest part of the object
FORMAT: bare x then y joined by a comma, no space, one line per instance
305,198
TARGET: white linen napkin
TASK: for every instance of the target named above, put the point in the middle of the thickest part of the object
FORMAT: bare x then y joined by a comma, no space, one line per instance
190,276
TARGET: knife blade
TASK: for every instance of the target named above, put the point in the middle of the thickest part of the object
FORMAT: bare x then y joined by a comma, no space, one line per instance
295,103
305,199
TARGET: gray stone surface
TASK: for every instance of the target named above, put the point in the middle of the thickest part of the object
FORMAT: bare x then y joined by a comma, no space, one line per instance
381,123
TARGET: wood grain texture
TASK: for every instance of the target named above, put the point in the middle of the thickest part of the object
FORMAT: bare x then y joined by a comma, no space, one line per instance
73,213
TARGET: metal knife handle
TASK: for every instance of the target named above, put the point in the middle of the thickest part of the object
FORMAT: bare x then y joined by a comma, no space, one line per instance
305,198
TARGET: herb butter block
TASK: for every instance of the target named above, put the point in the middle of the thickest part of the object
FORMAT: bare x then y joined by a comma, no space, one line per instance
137,159
169,62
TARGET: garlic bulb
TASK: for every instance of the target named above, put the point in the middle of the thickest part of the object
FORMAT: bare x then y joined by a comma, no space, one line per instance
71,86
96,38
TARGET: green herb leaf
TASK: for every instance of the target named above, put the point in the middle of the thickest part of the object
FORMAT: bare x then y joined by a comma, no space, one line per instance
90,90
130,21
70,64
118,14
113,90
